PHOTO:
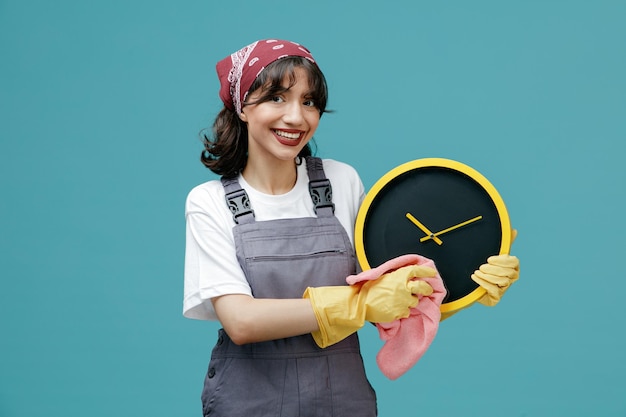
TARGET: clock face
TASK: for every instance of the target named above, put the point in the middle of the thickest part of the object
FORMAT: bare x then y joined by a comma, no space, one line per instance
440,209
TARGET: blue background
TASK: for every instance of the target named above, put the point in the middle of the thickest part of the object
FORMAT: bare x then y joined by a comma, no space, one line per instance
100,106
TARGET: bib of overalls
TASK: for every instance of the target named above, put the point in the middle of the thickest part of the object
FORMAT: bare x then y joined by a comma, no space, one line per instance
289,377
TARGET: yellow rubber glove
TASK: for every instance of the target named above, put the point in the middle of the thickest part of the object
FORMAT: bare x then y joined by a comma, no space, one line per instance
342,310
489,282
496,276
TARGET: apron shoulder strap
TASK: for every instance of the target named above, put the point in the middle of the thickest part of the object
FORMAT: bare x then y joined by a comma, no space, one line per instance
237,201
320,188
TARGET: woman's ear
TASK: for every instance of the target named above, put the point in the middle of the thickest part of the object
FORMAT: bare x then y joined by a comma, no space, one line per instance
243,117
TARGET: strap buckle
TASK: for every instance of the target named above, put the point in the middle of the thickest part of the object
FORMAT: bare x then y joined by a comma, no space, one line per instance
239,204
321,194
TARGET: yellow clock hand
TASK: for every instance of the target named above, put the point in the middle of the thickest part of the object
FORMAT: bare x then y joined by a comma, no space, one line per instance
430,235
456,226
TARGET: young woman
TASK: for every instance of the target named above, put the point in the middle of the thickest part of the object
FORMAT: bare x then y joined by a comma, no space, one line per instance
269,247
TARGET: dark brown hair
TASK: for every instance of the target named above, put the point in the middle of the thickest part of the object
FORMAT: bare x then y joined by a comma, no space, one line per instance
226,148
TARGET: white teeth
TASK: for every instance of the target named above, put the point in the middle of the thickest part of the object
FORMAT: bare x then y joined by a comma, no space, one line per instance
287,134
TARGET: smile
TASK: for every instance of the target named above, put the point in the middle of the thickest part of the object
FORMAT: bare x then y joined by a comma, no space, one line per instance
288,135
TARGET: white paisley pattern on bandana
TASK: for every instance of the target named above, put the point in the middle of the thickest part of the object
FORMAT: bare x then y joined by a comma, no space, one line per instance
239,59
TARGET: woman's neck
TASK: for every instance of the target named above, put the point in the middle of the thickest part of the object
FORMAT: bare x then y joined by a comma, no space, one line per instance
274,179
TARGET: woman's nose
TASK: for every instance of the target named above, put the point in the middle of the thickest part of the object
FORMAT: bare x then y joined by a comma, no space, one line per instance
293,114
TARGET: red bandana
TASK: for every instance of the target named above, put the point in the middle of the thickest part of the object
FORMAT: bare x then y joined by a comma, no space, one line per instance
238,71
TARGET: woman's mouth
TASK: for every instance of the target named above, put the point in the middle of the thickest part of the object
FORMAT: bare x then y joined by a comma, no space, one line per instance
288,137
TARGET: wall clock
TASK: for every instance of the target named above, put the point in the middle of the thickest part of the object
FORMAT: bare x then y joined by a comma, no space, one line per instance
438,208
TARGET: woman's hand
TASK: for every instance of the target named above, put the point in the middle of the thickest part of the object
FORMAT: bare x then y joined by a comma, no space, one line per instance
390,297
497,275
342,310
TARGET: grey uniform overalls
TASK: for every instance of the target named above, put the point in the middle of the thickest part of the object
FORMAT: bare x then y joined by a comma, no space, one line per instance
289,377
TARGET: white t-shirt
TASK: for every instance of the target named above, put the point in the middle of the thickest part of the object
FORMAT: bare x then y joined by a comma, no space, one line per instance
211,266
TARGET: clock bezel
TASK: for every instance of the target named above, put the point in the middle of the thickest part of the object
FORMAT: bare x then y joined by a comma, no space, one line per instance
505,223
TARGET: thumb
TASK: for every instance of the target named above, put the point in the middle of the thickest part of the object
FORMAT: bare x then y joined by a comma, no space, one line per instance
504,261
419,287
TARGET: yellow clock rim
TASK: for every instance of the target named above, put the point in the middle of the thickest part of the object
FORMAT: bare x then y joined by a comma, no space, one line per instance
505,222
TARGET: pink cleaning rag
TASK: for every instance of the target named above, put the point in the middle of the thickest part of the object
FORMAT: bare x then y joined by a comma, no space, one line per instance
406,340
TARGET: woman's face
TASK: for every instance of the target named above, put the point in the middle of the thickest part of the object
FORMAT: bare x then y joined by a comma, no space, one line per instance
280,127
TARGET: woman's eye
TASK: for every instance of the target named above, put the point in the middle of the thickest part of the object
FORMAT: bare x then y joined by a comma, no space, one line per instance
309,103
276,99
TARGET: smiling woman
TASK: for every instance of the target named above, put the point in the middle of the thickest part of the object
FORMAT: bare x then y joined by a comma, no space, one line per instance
270,248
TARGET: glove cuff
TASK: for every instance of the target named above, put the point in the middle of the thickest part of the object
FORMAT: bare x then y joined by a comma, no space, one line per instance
330,313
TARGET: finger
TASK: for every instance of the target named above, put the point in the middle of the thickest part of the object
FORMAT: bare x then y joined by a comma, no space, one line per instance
513,235
496,280
420,288
499,271
493,291
505,261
